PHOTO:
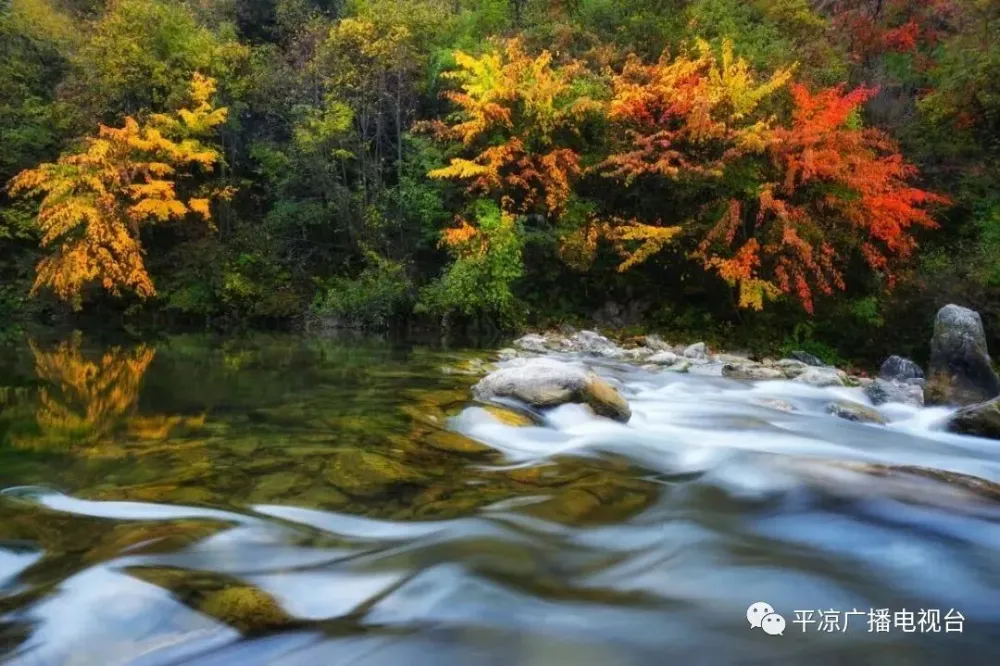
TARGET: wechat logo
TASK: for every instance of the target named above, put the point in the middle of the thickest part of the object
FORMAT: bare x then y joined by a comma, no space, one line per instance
761,615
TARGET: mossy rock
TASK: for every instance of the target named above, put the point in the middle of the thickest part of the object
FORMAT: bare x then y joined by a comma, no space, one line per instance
509,416
361,473
245,608
277,485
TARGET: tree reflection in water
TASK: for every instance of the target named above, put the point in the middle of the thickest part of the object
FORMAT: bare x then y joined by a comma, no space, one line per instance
89,399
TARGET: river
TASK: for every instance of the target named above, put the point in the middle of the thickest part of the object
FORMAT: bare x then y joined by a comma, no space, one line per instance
281,500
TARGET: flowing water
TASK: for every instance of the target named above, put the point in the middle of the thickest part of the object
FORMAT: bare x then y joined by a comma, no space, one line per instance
276,500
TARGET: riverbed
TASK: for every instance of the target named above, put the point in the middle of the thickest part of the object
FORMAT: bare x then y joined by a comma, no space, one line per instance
276,499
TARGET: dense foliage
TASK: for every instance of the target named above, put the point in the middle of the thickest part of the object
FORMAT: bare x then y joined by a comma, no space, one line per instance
774,171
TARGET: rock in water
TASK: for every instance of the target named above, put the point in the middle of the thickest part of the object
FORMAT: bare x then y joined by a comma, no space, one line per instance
897,368
532,342
882,391
960,370
807,358
696,351
822,377
790,367
663,358
750,371
853,411
549,383
656,343
982,420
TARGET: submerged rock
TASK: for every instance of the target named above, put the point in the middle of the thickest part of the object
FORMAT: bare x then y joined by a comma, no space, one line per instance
982,420
853,411
245,608
920,485
776,403
960,369
472,366
750,372
362,473
897,368
682,365
881,391
807,358
509,417
549,383
822,377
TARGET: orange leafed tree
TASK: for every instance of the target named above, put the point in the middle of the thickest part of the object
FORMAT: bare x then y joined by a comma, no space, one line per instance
517,118
689,116
837,189
96,201
786,204
684,119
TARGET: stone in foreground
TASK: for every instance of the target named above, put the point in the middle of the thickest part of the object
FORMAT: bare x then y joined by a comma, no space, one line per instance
961,372
549,383
982,420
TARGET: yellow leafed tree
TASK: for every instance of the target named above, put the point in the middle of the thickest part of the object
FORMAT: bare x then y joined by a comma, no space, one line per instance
95,201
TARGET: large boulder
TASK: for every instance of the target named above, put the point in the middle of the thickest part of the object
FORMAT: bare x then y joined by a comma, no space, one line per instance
899,369
982,420
549,383
960,369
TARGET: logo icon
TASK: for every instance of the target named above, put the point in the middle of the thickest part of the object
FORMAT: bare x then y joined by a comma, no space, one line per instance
761,615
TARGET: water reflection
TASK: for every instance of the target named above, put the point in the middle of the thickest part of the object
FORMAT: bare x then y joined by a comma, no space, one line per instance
85,401
286,501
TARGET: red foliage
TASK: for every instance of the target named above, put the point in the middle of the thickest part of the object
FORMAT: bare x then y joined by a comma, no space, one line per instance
875,27
841,188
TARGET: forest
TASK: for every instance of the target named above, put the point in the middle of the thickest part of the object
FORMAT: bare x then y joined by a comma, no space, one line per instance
804,174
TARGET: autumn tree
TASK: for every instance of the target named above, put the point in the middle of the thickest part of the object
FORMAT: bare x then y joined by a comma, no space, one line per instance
784,206
871,28
685,120
518,124
837,190
96,201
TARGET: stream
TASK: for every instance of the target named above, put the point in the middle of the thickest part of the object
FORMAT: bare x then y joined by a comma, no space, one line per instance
283,500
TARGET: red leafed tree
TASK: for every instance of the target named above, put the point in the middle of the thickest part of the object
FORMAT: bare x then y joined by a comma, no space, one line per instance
874,27
836,189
